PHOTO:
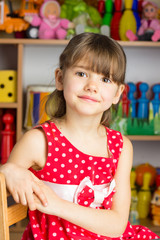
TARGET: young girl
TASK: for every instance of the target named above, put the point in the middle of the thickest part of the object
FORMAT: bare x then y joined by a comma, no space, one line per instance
85,164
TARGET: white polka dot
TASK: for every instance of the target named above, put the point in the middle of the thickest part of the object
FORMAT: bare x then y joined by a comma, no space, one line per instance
114,160
56,139
61,176
46,125
49,154
97,176
53,223
77,155
53,130
117,144
103,160
54,234
63,155
49,143
85,202
99,168
90,158
54,169
48,164
75,176
83,161
112,150
35,235
68,181
48,134
108,165
82,171
48,173
70,160
56,149
54,179
42,176
95,163
70,150
63,144
69,171
89,168
62,165
56,159
76,165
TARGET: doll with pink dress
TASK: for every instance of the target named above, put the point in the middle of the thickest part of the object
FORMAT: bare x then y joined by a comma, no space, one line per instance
150,24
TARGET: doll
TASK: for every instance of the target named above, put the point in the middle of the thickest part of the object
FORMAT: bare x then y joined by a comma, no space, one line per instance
51,26
150,24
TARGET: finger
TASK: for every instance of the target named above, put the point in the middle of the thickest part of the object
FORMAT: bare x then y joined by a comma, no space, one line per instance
30,201
22,198
15,197
40,194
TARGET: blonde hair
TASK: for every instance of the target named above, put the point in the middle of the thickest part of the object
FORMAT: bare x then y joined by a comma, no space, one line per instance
103,55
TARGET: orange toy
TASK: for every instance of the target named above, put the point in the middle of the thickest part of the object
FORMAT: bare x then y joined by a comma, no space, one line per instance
143,168
13,21
155,207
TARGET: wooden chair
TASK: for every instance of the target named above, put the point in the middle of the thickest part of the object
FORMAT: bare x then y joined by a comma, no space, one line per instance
8,215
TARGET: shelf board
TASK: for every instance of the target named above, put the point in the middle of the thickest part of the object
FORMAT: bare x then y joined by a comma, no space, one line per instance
144,137
64,42
8,105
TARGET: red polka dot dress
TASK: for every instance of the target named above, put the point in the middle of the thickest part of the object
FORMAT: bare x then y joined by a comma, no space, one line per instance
80,178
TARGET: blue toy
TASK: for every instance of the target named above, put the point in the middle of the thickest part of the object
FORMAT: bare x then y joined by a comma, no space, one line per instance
136,14
156,99
143,107
133,101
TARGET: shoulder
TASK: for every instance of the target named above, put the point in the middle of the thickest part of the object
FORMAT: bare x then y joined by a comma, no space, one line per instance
127,152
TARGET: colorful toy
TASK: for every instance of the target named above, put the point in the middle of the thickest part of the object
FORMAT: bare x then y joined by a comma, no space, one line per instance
141,170
116,20
128,21
150,24
101,7
51,26
108,13
35,109
133,215
144,197
125,102
7,135
8,86
143,107
155,203
131,97
136,14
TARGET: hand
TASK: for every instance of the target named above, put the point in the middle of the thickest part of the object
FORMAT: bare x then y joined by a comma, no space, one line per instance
53,201
22,183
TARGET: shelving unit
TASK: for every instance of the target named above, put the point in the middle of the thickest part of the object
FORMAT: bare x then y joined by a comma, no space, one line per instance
21,43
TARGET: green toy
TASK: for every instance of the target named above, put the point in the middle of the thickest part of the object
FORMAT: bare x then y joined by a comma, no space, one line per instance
108,15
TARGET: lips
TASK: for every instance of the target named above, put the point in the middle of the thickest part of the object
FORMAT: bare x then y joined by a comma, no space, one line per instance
88,98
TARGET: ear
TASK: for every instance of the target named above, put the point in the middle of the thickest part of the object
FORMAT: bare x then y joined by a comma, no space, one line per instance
59,79
118,93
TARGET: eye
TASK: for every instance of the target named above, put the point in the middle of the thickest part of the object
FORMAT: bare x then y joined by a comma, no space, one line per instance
81,74
106,80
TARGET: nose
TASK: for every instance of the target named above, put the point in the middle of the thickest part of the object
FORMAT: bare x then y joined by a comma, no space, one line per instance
91,86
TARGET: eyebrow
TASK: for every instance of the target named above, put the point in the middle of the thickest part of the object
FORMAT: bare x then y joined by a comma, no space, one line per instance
84,67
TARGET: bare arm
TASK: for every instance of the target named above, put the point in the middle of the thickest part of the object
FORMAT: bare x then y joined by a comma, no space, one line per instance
110,223
29,151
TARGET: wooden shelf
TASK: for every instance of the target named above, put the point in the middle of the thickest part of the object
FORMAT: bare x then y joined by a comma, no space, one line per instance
144,137
8,105
64,42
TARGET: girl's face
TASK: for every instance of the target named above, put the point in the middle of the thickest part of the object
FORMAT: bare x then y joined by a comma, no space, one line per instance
87,92
150,11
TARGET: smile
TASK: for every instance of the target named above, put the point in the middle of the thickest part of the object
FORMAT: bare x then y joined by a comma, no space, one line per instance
88,98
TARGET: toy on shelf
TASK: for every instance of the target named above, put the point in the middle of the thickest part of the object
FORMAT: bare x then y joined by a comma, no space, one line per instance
8,86
7,137
85,17
116,19
51,26
136,14
128,21
144,197
101,7
35,109
150,24
155,203
141,170
133,215
136,113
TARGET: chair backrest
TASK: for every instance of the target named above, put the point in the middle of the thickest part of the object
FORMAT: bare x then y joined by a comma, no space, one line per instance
8,215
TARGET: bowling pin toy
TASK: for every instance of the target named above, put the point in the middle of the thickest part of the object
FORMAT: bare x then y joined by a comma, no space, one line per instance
156,100
125,102
116,20
101,7
7,141
143,102
108,13
136,14
131,97
144,197
128,21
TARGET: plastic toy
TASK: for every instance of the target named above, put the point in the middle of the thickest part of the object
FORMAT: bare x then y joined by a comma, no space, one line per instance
101,7
144,197
86,17
7,141
141,170
133,215
136,14
10,22
155,203
125,102
150,24
128,21
108,13
131,97
51,26
143,108
116,20
156,99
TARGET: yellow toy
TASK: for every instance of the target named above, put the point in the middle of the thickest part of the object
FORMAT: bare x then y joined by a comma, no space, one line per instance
155,207
144,197
128,21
